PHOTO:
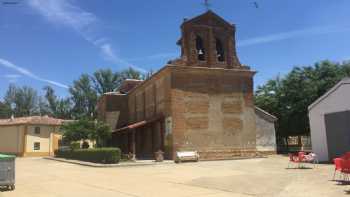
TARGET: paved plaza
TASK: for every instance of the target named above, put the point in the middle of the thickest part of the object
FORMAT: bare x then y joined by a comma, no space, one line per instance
37,177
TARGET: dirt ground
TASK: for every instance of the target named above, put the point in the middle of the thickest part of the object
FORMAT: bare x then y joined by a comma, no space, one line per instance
37,177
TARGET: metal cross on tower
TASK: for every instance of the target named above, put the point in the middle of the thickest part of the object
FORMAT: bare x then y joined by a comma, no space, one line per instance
207,4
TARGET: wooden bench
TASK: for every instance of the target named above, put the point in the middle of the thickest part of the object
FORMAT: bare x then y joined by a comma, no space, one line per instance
186,156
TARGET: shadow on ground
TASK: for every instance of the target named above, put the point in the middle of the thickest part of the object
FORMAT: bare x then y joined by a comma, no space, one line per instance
301,168
4,189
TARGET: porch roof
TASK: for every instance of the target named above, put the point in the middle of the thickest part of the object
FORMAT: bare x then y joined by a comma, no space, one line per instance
138,124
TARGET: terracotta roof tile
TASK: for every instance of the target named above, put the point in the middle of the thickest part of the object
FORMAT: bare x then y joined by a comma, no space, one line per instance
41,120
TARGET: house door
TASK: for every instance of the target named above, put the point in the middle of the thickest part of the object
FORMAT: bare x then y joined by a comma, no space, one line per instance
338,133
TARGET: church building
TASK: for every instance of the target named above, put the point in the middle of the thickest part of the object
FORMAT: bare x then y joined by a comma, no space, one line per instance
202,101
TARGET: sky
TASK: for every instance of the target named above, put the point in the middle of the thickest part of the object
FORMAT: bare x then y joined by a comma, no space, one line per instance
53,42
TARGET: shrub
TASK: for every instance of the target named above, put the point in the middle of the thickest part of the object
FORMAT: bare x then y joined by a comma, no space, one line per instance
85,145
75,145
96,155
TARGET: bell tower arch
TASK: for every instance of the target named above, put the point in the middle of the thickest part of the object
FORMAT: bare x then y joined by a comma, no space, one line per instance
208,41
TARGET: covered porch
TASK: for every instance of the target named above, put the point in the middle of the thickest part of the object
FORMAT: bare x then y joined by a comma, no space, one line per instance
142,139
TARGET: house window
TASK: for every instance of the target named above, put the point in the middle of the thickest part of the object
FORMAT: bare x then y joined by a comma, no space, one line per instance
220,52
36,145
200,48
37,130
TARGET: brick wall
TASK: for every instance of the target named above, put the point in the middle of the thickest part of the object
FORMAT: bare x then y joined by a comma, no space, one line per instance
113,109
212,112
209,27
151,98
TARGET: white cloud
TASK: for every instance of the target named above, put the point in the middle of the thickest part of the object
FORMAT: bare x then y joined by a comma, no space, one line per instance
86,24
61,11
110,55
291,34
28,73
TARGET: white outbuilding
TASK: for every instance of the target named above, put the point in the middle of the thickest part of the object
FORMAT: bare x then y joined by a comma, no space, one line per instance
329,119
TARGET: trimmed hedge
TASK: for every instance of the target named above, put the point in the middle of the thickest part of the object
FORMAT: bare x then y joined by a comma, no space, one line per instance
96,155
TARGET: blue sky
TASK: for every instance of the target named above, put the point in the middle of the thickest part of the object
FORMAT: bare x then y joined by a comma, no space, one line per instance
52,42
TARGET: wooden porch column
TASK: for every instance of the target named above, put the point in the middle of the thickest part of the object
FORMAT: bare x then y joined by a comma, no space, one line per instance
152,137
133,142
126,142
162,132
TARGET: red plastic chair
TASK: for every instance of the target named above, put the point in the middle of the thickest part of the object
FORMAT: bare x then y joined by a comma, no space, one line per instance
346,155
301,156
345,169
337,165
293,158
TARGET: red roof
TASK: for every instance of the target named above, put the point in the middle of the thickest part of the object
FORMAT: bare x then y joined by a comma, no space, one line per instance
129,84
40,120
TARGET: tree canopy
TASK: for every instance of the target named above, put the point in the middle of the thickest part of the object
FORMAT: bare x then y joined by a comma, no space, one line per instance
80,103
23,101
5,110
288,97
57,107
105,80
84,97
84,129
85,91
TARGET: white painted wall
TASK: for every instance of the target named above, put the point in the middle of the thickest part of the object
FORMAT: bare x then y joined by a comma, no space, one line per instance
338,100
265,135
44,138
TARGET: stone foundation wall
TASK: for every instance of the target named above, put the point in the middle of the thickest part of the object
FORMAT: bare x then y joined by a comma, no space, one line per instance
226,154
265,153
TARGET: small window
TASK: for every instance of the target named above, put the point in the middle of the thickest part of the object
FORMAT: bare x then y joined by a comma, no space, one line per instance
37,130
200,49
36,145
220,52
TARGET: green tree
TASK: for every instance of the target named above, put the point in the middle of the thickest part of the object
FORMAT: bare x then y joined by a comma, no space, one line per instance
106,81
51,98
63,109
288,98
102,132
84,97
25,100
131,73
58,108
43,107
86,90
77,130
84,129
5,110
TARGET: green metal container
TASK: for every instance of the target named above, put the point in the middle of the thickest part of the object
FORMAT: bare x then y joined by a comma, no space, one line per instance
7,171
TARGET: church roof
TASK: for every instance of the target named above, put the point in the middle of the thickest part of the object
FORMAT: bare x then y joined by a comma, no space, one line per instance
129,84
208,14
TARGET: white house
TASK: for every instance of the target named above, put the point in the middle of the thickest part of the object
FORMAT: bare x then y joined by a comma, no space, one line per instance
30,136
265,132
330,122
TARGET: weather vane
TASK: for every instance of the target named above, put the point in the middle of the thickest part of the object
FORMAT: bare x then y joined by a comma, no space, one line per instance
207,4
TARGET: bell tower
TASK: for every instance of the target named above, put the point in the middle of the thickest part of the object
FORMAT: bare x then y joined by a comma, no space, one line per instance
208,41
